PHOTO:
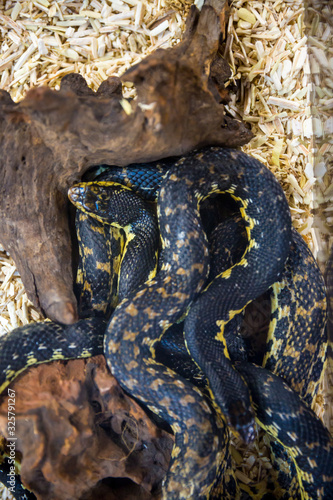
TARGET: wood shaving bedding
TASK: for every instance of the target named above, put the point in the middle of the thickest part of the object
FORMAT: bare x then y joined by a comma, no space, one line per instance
282,64
320,45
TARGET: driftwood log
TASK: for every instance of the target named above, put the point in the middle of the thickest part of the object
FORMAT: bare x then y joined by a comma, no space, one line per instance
49,139
82,437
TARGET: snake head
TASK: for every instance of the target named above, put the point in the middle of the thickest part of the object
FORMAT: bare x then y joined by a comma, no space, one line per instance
89,197
95,198
108,202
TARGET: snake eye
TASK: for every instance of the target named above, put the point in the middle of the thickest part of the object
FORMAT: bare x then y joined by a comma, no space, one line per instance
78,190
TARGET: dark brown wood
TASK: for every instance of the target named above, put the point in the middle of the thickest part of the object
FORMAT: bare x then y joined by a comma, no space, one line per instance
76,427
50,139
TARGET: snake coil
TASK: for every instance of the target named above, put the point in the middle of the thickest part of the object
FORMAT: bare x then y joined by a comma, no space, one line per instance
170,341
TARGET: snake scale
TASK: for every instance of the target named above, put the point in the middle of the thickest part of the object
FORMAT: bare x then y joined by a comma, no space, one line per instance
170,338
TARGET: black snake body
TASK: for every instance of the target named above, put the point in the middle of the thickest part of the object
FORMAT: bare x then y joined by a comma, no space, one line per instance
180,288
291,441
135,337
97,279
124,211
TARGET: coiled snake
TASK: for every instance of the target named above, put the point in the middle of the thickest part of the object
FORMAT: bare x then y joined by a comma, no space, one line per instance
238,391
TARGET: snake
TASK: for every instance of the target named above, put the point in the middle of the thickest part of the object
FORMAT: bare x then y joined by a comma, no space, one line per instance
131,335
299,259
180,288
135,328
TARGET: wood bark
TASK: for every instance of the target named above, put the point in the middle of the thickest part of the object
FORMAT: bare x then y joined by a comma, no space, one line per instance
81,437
49,139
